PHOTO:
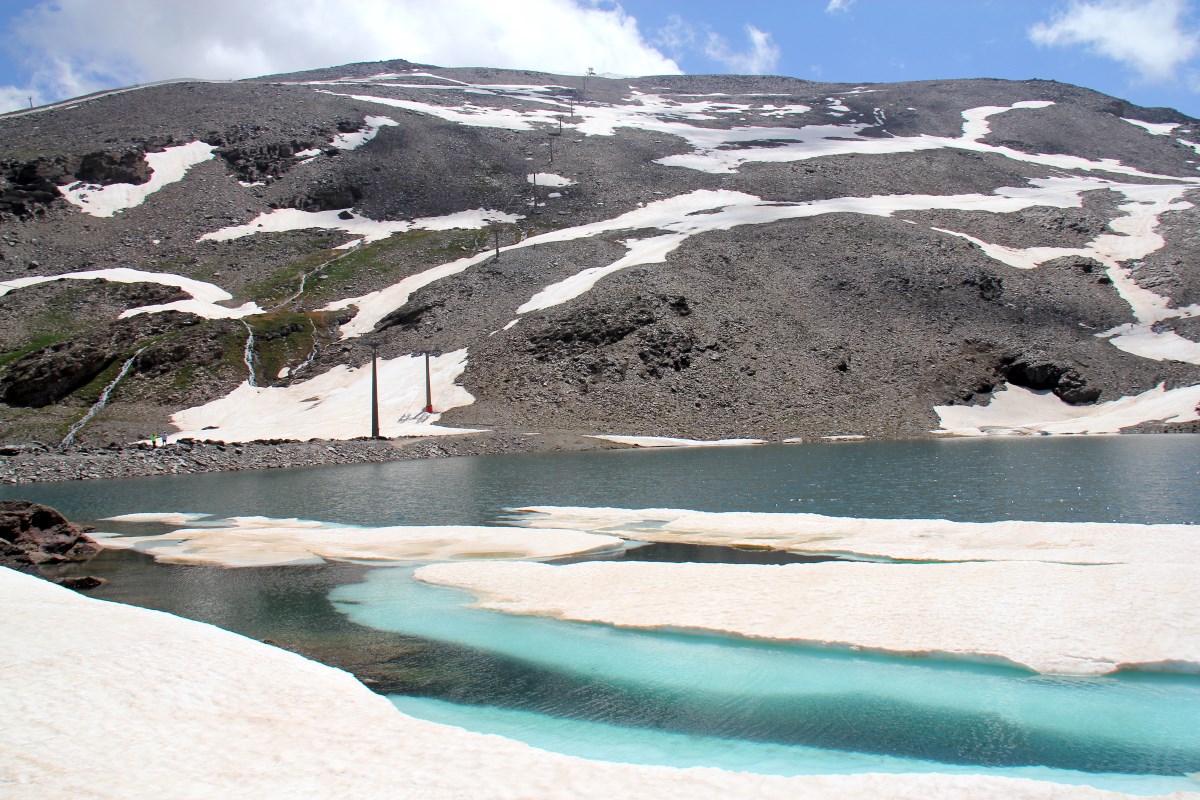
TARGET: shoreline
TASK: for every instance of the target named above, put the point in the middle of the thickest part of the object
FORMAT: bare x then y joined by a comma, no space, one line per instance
186,457
38,463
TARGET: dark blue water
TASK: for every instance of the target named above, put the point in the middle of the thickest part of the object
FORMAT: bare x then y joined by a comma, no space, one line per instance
1095,479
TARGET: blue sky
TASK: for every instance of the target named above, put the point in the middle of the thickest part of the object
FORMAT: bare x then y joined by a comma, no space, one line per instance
1146,51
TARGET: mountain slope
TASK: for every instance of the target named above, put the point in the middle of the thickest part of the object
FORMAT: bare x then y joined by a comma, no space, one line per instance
695,256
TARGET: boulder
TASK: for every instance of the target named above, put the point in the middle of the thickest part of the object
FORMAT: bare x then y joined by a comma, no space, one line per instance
32,534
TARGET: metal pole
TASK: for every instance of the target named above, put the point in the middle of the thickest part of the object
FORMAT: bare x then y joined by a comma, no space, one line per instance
496,235
374,393
428,388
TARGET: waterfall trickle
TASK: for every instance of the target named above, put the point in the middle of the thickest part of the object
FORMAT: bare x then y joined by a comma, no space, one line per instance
312,354
248,354
101,402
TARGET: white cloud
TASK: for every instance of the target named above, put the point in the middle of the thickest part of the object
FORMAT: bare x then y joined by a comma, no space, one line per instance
1148,35
839,6
761,56
70,47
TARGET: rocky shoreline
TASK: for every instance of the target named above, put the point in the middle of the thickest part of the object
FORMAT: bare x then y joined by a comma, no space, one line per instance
41,464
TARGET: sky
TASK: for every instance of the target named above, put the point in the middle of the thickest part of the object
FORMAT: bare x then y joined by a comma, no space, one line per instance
1145,51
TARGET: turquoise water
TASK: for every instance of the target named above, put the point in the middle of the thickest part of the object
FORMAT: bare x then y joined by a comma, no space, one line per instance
598,688
682,699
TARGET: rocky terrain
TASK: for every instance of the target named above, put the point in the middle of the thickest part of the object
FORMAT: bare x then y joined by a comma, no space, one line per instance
33,536
688,256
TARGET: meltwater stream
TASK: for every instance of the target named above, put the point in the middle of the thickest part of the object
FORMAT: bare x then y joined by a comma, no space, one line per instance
694,699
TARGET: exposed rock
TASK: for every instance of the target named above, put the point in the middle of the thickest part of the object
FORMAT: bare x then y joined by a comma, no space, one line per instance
32,534
106,166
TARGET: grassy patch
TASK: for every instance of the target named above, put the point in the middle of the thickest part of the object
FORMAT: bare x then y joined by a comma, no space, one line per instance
38,342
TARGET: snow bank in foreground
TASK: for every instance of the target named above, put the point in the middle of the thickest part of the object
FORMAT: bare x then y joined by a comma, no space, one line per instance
1051,618
900,539
161,699
204,302
262,541
1017,410
334,405
668,441
166,167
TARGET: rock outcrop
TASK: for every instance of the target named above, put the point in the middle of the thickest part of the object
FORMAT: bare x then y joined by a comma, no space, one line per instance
32,535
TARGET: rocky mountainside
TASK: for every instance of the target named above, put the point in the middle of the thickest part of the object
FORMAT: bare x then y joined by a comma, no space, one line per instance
684,256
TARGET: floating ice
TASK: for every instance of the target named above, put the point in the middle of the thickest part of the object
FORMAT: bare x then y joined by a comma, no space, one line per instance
988,611
261,541
892,539
166,168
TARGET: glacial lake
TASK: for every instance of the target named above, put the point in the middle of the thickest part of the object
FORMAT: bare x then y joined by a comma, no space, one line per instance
681,699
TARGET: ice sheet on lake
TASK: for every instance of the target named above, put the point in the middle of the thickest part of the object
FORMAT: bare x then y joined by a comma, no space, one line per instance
205,301
334,404
262,541
166,167
185,690
898,539
1051,618
1017,410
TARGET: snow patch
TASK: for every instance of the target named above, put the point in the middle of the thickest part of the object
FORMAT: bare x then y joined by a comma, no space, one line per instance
1016,410
282,220
1155,128
204,302
669,441
334,405
548,179
355,140
166,167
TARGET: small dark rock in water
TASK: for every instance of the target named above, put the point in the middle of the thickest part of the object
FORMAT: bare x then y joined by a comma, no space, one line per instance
81,583
32,534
